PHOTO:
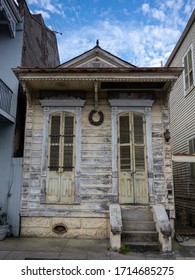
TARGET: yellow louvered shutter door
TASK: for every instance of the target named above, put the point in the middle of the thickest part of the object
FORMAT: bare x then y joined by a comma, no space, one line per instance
53,174
132,159
140,173
126,191
67,176
60,175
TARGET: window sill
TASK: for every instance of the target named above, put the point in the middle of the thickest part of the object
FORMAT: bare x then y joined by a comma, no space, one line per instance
60,203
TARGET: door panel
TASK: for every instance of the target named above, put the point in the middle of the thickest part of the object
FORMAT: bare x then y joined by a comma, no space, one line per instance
53,188
60,175
132,159
126,194
67,187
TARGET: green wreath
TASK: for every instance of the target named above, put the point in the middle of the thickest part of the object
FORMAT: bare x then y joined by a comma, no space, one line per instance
96,122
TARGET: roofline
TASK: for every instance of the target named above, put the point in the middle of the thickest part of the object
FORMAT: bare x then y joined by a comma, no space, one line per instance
171,73
97,47
181,39
97,70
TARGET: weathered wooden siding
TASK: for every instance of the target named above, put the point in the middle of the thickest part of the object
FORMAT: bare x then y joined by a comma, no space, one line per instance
96,155
89,218
162,162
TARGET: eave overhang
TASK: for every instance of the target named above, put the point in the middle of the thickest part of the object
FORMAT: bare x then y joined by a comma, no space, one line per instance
153,79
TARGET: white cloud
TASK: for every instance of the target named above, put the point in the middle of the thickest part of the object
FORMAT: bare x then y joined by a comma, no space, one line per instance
172,4
53,7
146,8
33,2
189,6
142,44
44,14
155,13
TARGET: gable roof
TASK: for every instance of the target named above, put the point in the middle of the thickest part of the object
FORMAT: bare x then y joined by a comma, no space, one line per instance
181,39
96,58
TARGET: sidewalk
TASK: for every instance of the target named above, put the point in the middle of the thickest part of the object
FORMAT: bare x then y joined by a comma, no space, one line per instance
33,248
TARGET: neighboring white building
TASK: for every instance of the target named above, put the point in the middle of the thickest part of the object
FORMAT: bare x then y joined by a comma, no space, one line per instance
182,110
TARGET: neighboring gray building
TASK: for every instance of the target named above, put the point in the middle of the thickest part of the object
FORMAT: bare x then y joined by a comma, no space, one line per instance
182,110
26,41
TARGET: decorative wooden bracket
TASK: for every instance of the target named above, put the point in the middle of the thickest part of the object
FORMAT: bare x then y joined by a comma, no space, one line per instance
28,96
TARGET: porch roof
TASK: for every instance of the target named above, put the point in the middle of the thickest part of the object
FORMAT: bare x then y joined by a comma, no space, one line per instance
158,79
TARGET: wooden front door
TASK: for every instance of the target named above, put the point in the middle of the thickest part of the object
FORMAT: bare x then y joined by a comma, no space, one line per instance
132,159
60,175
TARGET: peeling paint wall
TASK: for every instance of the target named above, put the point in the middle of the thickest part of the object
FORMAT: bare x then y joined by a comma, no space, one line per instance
162,161
95,175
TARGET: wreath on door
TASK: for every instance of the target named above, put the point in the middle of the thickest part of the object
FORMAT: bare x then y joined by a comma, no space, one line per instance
101,119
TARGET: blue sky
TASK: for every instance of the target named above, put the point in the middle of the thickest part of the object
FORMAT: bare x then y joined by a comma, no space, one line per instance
142,32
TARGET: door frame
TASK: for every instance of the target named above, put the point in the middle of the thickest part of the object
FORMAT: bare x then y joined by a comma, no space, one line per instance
74,107
58,174
127,178
140,106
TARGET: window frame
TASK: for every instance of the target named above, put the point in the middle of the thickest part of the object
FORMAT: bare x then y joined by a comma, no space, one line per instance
52,106
187,90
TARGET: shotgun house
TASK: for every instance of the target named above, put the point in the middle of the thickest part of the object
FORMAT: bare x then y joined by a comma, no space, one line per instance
182,112
96,159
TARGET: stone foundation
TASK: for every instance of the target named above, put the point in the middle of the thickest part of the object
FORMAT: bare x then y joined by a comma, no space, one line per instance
96,228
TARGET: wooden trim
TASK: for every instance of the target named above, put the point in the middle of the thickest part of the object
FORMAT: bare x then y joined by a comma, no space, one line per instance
146,111
183,158
131,102
62,102
76,111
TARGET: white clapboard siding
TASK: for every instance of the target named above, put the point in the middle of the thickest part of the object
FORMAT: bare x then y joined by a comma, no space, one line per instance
182,107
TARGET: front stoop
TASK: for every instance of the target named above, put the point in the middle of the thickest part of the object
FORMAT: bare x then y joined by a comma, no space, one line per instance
139,229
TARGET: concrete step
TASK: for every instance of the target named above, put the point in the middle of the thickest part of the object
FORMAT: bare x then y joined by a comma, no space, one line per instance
139,236
139,229
139,225
136,214
143,246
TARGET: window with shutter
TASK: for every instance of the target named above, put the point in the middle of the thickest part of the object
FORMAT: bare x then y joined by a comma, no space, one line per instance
188,71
